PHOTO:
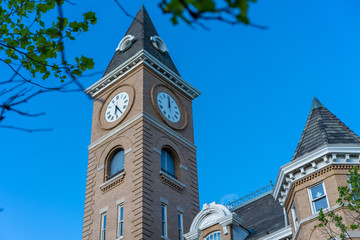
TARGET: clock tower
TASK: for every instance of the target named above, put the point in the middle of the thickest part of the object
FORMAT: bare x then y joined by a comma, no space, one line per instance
142,170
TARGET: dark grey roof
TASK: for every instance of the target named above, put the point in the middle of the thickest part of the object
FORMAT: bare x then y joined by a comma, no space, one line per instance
142,28
323,128
263,216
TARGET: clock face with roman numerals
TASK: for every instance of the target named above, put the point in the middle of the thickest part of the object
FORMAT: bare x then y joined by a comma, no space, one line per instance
168,107
117,106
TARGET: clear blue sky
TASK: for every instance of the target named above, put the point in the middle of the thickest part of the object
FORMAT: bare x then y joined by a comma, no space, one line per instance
257,87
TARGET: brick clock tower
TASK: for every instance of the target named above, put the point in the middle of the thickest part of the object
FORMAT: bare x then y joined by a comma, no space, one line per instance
142,171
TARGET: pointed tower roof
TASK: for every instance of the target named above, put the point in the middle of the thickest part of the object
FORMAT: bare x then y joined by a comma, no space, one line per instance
323,128
142,29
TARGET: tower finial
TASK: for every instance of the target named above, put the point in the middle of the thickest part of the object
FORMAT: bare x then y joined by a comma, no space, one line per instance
142,8
316,104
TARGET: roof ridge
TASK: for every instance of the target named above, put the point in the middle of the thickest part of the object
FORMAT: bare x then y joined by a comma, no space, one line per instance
323,128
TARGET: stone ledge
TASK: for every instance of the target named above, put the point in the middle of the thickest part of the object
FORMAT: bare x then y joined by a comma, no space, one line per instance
112,182
172,182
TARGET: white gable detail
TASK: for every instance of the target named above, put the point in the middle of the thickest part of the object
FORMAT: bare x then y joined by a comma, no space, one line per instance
213,214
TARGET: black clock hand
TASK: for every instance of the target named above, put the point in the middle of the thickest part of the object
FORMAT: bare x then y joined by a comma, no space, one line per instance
117,108
169,104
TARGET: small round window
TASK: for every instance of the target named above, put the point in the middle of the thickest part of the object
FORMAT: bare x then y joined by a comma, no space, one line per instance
125,43
158,43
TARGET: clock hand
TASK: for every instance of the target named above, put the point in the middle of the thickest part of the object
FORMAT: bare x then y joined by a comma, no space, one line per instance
169,104
117,108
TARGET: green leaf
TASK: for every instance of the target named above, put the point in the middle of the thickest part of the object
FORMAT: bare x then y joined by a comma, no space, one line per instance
8,61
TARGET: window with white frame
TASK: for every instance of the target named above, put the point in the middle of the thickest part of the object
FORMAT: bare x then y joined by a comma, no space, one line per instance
120,221
180,225
213,236
103,226
163,220
318,197
294,216
351,188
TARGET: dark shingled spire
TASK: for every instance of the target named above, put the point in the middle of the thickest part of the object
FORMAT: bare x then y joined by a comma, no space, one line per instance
142,28
323,128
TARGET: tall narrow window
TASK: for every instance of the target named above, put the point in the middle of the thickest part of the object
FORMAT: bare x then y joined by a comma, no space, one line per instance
318,197
120,221
103,226
167,163
294,216
163,221
180,225
117,163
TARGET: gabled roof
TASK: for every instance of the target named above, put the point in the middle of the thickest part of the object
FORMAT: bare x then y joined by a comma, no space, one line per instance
262,216
142,28
323,128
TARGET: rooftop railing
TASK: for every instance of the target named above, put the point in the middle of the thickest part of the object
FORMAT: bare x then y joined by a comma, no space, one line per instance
250,196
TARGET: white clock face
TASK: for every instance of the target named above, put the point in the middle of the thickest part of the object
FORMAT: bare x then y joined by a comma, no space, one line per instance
117,107
168,107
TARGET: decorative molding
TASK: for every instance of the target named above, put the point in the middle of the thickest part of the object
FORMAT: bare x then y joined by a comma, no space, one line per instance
213,214
152,120
127,151
142,57
283,233
104,209
164,200
100,168
112,182
180,209
157,150
183,167
172,182
314,164
121,200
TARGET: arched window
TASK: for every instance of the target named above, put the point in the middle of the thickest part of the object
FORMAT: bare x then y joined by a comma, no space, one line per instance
167,162
213,236
116,163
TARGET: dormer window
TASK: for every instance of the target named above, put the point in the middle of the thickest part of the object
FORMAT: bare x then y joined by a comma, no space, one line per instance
158,43
125,43
116,163
167,163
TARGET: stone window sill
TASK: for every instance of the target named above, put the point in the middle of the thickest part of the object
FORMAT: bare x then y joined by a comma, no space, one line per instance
172,182
112,182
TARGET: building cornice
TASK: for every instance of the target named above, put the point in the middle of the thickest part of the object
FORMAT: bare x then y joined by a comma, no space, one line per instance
149,118
311,163
143,57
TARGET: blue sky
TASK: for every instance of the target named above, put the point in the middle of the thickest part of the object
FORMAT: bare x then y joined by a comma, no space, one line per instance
257,87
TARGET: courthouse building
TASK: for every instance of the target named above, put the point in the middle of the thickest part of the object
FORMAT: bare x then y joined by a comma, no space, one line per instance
142,178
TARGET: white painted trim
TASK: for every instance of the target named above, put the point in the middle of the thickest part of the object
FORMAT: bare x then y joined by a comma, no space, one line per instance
311,163
280,234
169,130
183,167
104,209
164,200
142,57
127,151
180,209
152,120
157,150
312,204
120,201
116,130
